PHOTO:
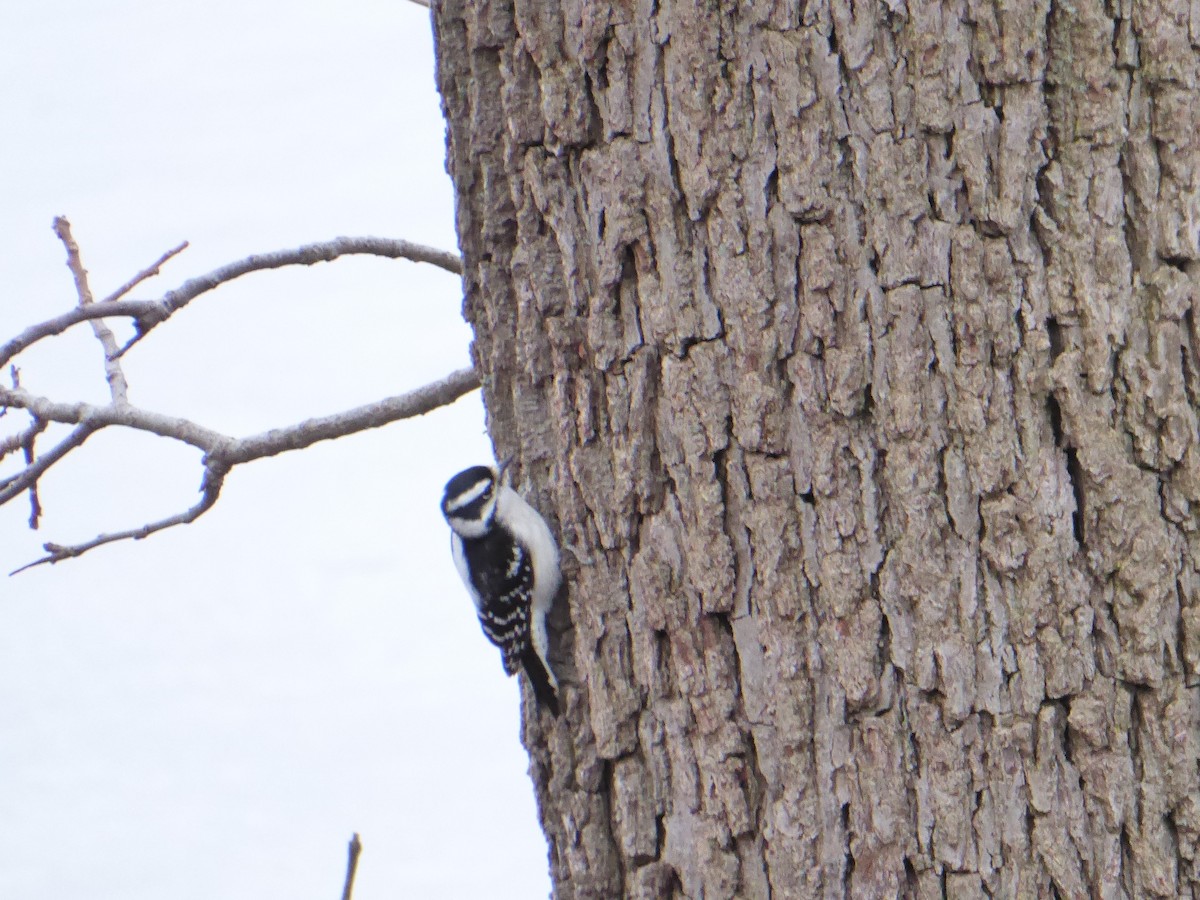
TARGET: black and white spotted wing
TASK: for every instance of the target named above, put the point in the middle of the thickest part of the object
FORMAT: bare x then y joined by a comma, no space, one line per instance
500,575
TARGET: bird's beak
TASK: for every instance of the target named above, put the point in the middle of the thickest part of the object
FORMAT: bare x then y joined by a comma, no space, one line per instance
502,468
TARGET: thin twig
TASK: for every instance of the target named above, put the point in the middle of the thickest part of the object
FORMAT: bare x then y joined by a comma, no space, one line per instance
214,477
24,440
352,866
145,274
35,502
117,384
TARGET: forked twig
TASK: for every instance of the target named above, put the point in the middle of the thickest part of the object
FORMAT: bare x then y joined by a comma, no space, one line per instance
117,385
214,477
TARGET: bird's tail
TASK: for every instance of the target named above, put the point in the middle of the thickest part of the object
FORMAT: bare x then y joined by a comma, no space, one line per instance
543,686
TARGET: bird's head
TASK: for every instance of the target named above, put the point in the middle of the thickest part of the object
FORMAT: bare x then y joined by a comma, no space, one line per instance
469,503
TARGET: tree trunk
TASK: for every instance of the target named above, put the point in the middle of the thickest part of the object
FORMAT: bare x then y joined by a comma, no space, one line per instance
853,348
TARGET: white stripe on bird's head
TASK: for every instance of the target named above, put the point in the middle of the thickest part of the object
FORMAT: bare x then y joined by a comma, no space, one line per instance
469,496
471,528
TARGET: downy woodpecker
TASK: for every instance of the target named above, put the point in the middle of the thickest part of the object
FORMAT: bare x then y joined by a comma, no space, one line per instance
508,560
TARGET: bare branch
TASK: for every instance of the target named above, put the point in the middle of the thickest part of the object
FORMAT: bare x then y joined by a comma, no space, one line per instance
214,477
149,272
117,385
221,452
96,417
35,507
355,850
373,415
25,440
149,313
269,443
21,438
14,485
308,255
146,314
35,502
62,228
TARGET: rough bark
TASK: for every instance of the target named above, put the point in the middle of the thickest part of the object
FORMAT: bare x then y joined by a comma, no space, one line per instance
853,345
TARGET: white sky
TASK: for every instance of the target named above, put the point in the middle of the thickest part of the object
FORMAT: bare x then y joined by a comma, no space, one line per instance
211,713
